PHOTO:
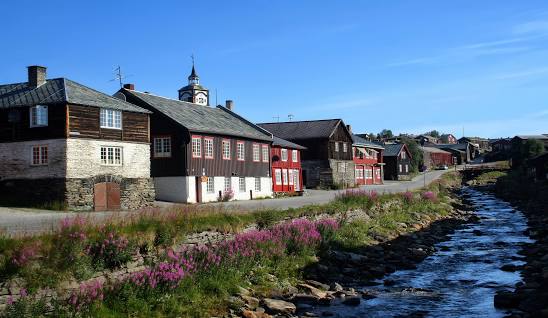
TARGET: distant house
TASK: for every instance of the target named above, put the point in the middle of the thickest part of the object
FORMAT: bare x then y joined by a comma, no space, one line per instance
398,162
327,159
286,166
435,157
426,139
538,167
63,142
501,144
448,139
202,153
520,139
464,152
368,158
482,144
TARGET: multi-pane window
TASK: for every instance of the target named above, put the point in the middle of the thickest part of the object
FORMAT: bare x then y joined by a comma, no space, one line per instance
196,147
284,176
228,184
359,173
208,148
240,151
265,153
284,154
111,118
290,176
210,185
294,155
257,184
111,156
38,116
336,146
226,149
162,147
403,156
401,170
406,168
241,184
278,173
256,153
368,174
345,147
39,155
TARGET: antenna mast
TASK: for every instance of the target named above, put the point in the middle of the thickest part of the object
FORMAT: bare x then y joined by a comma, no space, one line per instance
290,116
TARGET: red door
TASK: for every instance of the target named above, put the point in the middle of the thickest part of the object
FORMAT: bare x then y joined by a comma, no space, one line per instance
106,196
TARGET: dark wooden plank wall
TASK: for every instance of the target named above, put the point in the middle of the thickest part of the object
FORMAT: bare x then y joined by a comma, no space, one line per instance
220,167
21,131
340,135
162,126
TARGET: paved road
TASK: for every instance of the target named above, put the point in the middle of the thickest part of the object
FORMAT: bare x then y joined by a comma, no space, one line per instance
23,221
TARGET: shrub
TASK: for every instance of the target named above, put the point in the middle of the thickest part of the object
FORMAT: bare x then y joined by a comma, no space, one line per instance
408,197
266,218
227,196
164,235
111,250
429,196
70,248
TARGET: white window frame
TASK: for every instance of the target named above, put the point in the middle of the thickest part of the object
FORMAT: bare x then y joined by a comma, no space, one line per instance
359,173
336,146
256,153
401,168
210,185
38,116
403,155
266,154
208,148
196,145
109,154
162,147
43,155
226,149
278,176
290,176
406,168
227,184
241,184
284,154
284,176
257,184
110,118
240,151
295,155
345,147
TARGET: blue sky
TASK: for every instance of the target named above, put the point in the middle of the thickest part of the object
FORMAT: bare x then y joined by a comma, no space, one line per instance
410,66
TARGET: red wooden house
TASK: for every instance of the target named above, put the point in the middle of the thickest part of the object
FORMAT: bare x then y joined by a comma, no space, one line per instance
368,158
286,166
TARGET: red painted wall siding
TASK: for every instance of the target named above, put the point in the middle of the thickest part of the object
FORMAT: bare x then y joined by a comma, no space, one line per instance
277,163
367,166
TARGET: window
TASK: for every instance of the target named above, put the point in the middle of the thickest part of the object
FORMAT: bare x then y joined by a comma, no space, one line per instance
208,148
368,174
284,154
265,153
240,155
257,184
196,147
336,146
111,118
294,156
290,176
39,155
400,168
256,153
345,147
162,147
241,184
278,173
111,156
210,185
39,116
284,176
359,173
228,184
226,149
406,168
403,156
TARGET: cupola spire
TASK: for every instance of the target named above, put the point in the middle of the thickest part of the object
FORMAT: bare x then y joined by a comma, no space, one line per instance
193,78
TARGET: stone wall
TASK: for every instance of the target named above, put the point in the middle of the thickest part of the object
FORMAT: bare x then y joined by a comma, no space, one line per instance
343,172
15,160
84,159
322,173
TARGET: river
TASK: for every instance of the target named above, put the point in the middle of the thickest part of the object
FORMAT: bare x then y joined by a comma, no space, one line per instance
460,279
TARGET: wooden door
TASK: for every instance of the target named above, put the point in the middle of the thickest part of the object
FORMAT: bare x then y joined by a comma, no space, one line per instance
106,196
198,189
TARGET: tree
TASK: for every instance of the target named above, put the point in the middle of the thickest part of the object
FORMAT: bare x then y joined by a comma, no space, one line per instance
416,153
433,133
386,133
444,138
522,151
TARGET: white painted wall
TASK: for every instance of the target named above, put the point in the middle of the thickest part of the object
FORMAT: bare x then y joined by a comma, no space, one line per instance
15,160
84,159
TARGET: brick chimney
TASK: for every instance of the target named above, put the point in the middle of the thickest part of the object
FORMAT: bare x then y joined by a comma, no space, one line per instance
229,104
131,87
37,75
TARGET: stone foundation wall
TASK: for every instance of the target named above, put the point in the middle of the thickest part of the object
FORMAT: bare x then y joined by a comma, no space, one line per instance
29,192
343,172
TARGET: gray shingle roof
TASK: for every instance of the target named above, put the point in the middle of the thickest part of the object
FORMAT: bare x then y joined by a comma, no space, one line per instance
433,150
525,137
462,147
60,90
295,130
285,143
357,140
392,150
202,119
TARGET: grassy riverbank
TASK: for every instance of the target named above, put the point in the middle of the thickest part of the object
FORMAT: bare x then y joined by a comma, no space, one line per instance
196,281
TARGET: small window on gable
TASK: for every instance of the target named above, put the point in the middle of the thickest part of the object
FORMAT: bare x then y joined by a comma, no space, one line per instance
110,118
295,155
39,116
336,146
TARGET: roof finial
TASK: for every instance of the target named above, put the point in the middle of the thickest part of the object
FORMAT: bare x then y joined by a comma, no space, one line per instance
193,78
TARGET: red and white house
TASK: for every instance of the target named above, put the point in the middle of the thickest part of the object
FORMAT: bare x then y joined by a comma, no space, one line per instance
286,166
368,159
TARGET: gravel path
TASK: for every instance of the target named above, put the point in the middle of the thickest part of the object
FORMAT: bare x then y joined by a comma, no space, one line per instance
25,221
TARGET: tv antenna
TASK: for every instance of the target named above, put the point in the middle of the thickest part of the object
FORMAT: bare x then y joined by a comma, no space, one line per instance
277,118
290,116
118,76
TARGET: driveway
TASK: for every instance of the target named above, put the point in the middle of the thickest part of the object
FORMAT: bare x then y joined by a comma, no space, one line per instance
24,221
